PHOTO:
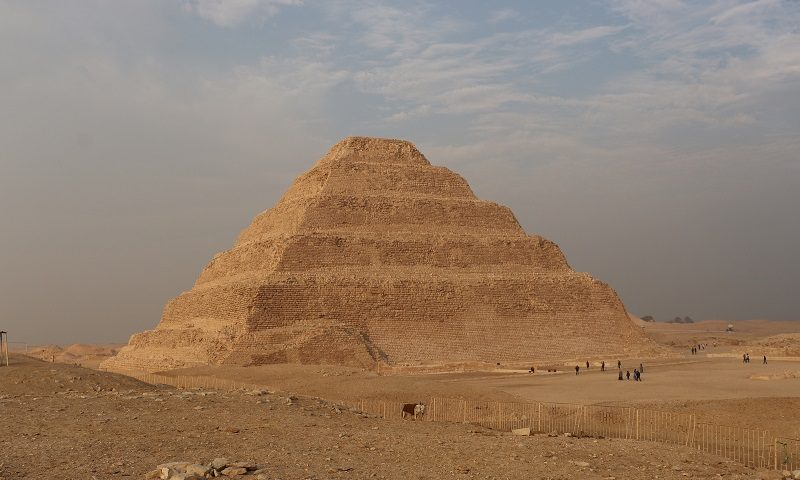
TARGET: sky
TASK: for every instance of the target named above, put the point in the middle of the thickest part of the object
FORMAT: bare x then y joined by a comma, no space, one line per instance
656,141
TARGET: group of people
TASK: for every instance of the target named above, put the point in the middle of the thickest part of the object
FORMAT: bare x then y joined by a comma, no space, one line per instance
698,347
746,358
637,372
637,375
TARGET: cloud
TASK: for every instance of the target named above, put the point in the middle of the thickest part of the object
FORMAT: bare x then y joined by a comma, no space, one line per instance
502,15
231,13
586,35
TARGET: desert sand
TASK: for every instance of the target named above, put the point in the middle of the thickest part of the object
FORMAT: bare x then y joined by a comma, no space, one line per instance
64,421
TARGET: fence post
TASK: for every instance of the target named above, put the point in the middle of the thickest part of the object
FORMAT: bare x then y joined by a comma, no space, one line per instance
540,417
465,411
637,424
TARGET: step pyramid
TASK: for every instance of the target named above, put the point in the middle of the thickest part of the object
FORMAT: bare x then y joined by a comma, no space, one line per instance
375,256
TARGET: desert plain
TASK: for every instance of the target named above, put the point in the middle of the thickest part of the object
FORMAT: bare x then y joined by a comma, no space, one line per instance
63,420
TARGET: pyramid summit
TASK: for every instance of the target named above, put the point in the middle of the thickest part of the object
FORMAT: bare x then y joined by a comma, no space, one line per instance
374,256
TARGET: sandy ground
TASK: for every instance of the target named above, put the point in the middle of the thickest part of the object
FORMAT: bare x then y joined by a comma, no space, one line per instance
713,331
720,390
346,383
62,421
81,354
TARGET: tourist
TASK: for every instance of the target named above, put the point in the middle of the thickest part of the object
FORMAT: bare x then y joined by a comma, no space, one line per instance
577,369
603,366
619,364
744,358
620,375
641,368
765,359
532,370
628,374
587,365
635,375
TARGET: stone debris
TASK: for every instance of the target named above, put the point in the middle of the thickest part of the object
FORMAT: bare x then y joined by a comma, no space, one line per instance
521,431
218,467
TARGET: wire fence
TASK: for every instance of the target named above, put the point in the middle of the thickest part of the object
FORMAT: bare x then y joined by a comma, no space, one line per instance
752,447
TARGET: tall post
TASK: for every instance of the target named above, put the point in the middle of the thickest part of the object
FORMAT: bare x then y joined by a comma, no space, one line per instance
637,424
4,347
775,445
539,414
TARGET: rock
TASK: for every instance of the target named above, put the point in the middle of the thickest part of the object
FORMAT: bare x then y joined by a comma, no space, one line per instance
187,476
522,431
233,471
247,465
219,463
768,475
262,476
581,464
165,473
153,474
231,430
197,469
796,474
174,465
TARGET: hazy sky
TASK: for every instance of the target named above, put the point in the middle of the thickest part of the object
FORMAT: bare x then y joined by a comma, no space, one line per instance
656,141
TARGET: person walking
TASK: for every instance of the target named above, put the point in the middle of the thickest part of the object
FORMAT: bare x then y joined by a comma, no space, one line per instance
628,374
619,364
587,364
641,368
603,365
577,369
635,375
765,359
620,375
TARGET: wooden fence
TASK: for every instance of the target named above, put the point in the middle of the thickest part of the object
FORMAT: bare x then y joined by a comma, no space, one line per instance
752,447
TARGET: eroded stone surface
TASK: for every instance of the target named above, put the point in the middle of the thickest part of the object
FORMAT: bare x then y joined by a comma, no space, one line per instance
374,255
